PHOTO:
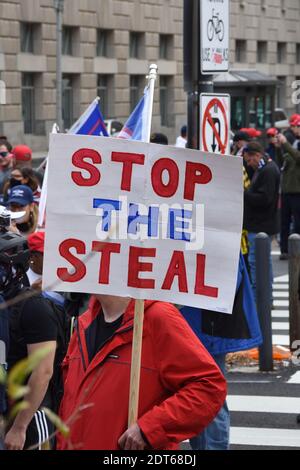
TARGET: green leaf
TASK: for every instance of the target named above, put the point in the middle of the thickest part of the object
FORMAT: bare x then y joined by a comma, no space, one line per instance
2,375
58,423
16,392
23,405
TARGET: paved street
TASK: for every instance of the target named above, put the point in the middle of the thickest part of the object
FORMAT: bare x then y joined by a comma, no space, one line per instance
265,406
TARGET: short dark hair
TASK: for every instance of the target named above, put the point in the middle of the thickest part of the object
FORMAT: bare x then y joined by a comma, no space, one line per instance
254,147
241,135
159,138
4,141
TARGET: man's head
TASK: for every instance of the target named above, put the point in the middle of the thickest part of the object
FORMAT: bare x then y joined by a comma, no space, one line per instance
240,139
253,153
21,199
5,155
159,138
22,155
183,131
295,124
272,135
36,242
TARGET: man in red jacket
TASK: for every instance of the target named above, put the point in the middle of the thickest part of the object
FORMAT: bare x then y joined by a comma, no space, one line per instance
181,388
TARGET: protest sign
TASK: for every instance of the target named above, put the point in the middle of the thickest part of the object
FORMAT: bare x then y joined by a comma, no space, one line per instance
143,220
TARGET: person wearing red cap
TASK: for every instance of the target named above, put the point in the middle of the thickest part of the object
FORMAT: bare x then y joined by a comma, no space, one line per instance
272,141
292,134
36,243
252,132
22,155
288,158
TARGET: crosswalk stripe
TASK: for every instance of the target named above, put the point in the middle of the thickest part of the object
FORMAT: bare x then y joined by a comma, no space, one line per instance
280,314
281,286
264,404
280,325
282,340
284,278
280,295
265,437
295,378
281,303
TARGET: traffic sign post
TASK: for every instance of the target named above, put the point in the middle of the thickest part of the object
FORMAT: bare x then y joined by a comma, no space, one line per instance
215,123
214,36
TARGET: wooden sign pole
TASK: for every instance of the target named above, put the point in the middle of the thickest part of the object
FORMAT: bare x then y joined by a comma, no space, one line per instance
137,340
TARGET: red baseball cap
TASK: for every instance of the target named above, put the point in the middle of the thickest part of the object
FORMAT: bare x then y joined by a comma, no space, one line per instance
252,133
272,132
295,121
294,117
36,242
22,153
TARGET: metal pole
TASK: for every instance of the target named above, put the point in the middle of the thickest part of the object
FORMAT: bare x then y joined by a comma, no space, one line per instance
263,299
151,81
59,7
294,294
195,83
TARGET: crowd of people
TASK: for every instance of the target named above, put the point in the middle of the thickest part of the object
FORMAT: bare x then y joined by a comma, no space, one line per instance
85,376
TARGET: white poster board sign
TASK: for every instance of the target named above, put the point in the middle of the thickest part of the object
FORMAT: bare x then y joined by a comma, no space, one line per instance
143,220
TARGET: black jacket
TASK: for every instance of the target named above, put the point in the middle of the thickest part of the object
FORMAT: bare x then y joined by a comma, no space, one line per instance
261,201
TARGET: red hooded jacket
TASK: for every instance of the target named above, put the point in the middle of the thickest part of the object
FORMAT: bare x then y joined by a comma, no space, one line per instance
181,387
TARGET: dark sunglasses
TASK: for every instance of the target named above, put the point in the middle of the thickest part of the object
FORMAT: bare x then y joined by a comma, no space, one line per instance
3,154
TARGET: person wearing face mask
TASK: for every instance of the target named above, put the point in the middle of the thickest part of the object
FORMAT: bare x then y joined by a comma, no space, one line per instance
6,163
23,176
21,199
22,157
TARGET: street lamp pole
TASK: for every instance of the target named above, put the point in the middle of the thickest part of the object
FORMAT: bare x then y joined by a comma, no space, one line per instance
59,7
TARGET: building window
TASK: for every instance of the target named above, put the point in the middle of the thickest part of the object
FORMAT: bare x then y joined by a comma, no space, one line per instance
28,32
28,103
165,46
105,92
137,83
166,102
68,101
104,42
281,52
298,53
69,40
238,114
240,50
262,51
136,45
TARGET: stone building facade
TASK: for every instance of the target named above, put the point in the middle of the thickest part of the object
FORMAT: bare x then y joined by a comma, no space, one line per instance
107,48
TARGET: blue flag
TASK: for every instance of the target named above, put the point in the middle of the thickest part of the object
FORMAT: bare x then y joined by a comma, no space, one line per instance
137,125
91,122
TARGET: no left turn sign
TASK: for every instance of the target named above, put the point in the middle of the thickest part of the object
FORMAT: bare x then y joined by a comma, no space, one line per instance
215,123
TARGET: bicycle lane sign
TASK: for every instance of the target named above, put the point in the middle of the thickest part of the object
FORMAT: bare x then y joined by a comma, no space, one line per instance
214,36
215,123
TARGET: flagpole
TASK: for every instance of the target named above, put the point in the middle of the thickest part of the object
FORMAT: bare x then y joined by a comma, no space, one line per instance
43,198
137,340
